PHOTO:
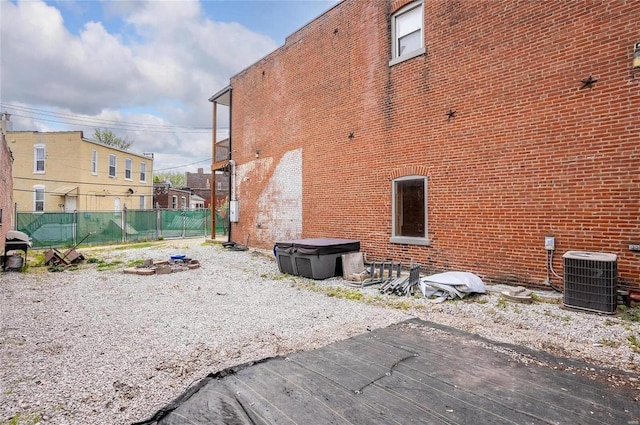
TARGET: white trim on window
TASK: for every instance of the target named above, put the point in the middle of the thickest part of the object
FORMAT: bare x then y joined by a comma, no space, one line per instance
128,168
94,162
174,202
416,232
143,172
407,33
39,158
142,202
38,198
113,166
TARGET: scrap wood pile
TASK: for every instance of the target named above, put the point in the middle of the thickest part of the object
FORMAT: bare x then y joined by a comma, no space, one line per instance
58,260
174,265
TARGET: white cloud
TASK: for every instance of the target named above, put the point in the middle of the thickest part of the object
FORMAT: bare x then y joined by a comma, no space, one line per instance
170,59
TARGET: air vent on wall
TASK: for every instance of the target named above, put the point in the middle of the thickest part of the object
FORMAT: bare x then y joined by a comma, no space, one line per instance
590,281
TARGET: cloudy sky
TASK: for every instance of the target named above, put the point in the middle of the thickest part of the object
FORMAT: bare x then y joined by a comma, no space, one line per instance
143,69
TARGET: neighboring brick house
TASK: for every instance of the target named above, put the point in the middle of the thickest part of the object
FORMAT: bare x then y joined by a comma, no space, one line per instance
64,172
6,183
452,134
165,196
200,184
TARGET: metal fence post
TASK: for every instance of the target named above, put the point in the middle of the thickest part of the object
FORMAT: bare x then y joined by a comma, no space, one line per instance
124,224
75,227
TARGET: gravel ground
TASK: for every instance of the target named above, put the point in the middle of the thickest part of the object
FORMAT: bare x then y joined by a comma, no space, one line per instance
94,346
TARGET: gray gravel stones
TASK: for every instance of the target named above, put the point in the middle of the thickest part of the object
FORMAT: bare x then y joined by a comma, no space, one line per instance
104,347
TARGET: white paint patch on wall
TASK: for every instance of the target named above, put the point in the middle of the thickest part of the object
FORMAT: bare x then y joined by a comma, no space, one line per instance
279,213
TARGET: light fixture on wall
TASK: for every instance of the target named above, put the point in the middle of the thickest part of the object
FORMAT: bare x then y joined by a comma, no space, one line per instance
257,154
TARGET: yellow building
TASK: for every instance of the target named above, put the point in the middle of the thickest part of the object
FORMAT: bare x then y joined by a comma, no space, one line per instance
64,172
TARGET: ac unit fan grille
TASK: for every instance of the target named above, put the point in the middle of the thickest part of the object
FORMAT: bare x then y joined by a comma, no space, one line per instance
590,281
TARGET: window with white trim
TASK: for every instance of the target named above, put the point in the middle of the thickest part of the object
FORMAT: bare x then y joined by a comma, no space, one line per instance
407,33
127,168
94,162
39,155
409,210
142,202
143,172
174,202
113,162
38,198
184,202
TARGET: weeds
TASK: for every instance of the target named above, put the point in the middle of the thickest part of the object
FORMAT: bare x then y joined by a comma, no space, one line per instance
103,265
634,343
28,419
136,246
629,314
349,294
135,263
501,303
609,343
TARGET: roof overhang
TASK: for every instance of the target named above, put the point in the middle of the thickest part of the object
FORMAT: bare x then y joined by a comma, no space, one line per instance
223,97
65,191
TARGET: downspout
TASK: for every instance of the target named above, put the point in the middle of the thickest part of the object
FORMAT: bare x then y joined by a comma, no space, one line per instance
232,166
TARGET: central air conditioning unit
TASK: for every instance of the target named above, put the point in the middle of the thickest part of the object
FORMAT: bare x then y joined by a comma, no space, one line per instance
591,281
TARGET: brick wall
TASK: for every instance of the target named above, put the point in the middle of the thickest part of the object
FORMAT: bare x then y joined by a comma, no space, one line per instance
528,153
6,190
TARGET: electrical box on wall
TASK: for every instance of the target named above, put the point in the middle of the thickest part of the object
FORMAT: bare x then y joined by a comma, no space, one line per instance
233,211
550,243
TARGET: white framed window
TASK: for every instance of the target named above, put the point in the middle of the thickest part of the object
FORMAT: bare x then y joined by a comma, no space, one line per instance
409,210
127,168
38,198
39,156
113,163
407,33
174,202
142,202
94,162
184,202
143,172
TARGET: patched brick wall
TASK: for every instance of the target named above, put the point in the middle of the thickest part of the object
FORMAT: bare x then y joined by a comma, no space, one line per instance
6,190
528,152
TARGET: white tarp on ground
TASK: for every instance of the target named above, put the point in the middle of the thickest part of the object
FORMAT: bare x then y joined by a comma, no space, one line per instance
449,285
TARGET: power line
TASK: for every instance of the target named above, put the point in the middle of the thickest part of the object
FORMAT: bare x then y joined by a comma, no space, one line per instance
72,119
183,165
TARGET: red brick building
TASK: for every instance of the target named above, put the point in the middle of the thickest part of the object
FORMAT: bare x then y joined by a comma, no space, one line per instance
165,196
6,184
200,184
453,134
